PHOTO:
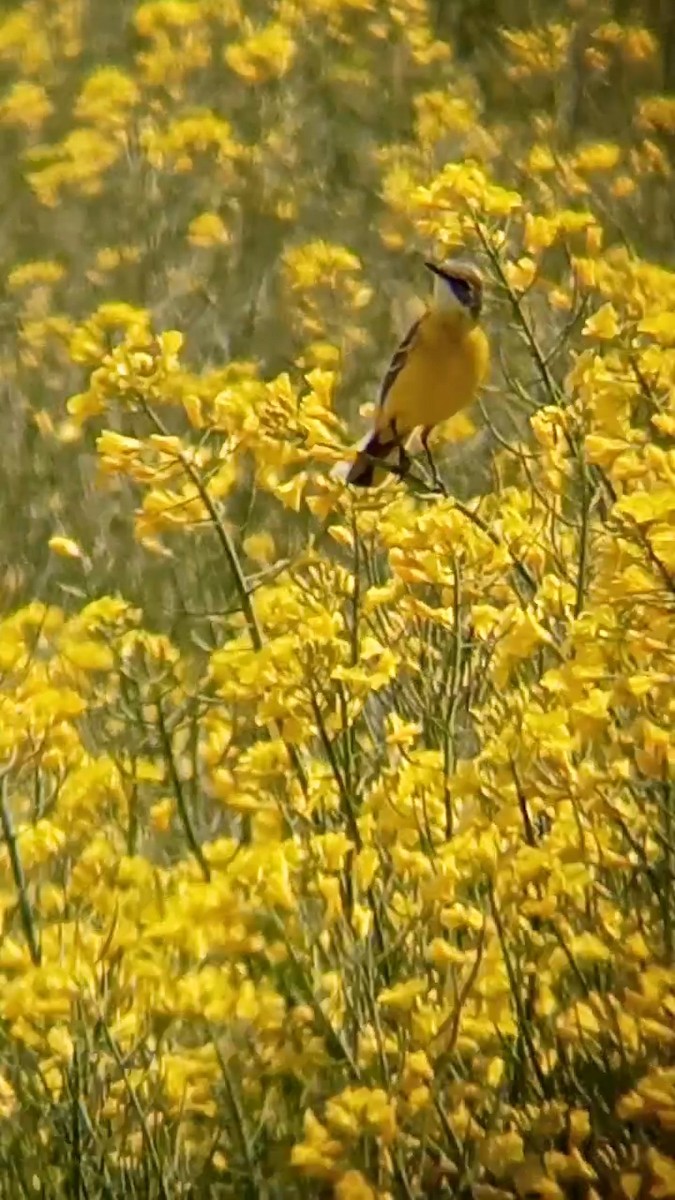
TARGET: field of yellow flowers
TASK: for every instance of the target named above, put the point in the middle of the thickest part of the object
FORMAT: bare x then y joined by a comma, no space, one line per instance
337,851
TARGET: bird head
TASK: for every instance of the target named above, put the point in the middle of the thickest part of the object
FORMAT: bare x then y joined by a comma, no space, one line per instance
458,287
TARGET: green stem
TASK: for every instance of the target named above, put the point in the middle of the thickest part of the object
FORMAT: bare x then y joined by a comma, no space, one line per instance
135,1104
177,785
234,564
18,874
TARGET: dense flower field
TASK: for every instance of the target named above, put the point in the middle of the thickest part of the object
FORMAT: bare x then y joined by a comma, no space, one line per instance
338,830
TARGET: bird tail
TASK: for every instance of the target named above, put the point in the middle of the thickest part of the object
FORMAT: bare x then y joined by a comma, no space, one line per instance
361,470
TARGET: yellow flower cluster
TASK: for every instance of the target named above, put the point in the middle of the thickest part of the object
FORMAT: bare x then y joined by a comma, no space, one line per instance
336,831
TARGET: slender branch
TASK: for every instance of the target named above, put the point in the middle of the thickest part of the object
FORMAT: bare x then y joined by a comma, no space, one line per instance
582,567
223,536
18,874
335,1042
252,1169
523,1023
135,1104
181,803
446,1037
234,564
449,751
528,332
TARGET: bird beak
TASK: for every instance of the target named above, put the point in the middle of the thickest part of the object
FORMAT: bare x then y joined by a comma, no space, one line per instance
431,266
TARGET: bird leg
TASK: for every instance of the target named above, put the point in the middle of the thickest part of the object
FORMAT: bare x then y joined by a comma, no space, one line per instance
401,468
403,461
436,479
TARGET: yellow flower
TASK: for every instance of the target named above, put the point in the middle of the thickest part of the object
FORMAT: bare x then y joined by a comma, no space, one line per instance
597,156
78,163
440,115
31,274
60,1043
521,274
64,546
661,326
106,98
260,547
519,634
87,654
176,146
657,112
266,53
586,947
402,996
535,52
320,354
208,229
540,232
24,40
541,159
319,264
644,506
7,1099
317,1153
354,1186
44,841
604,324
500,1152
638,44
155,17
25,104
623,186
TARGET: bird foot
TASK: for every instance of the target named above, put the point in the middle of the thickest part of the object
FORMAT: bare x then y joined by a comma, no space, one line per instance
399,469
437,485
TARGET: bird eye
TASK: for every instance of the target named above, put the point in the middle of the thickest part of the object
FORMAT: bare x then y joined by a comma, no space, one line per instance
462,290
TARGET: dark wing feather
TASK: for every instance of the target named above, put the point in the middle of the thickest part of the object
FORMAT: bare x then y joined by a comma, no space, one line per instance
399,360
383,441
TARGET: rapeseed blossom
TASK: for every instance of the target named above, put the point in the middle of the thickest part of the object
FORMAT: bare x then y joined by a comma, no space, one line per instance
336,833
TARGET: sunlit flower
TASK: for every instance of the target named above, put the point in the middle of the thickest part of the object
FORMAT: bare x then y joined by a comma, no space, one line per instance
106,98
65,547
25,104
208,229
265,53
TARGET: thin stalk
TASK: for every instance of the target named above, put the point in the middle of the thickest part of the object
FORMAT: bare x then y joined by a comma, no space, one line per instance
232,559
345,797
523,1023
252,1169
582,568
181,803
18,874
449,750
79,1190
135,1104
446,1038
533,346
333,1038
667,810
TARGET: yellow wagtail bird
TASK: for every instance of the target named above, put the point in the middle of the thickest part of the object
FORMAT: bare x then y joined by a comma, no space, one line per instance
436,371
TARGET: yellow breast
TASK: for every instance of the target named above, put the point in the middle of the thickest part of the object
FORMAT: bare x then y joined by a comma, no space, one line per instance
445,367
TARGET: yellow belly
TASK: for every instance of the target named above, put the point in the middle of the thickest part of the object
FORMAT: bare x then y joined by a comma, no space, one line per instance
444,370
